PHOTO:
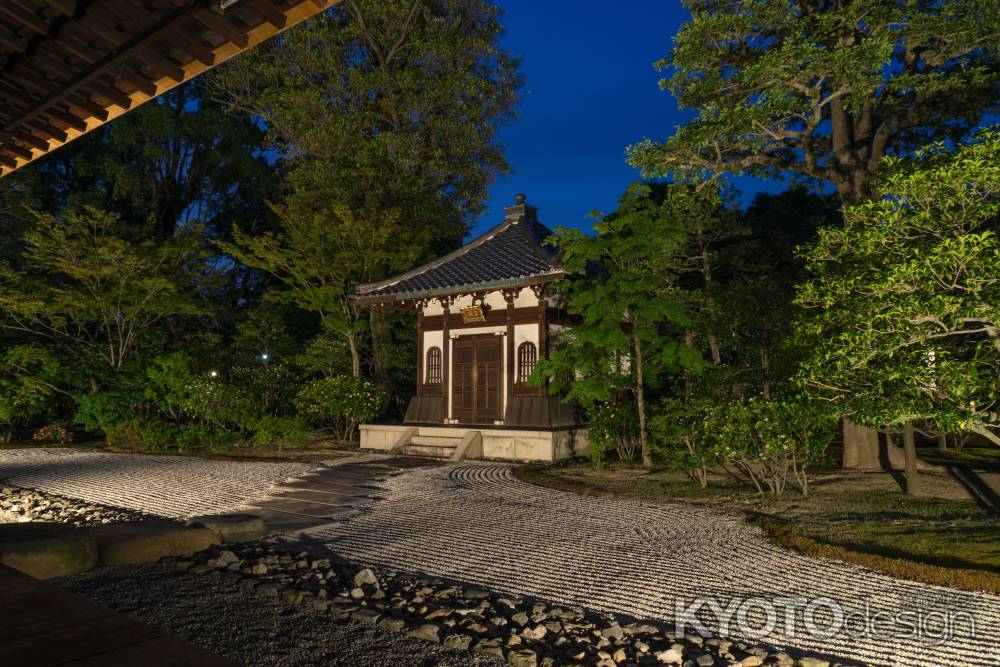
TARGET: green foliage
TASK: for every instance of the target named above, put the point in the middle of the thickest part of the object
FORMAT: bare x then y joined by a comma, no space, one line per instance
678,428
94,287
316,257
340,402
119,400
125,434
824,90
613,427
903,299
28,374
615,291
628,310
385,114
280,431
269,386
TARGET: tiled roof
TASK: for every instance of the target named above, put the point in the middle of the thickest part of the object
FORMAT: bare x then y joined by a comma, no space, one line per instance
509,255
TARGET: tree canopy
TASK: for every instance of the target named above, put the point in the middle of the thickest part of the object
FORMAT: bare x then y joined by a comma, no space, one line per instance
903,298
824,89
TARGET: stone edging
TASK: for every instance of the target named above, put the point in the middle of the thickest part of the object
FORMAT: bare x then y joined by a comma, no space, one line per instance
525,633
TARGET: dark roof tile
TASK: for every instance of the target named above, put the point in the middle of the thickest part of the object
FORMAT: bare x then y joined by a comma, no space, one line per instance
510,254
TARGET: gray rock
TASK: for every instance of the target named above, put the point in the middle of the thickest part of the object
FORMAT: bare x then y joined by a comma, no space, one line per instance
490,647
427,632
613,631
458,642
366,616
813,662
232,528
136,543
671,656
224,559
394,625
523,658
365,577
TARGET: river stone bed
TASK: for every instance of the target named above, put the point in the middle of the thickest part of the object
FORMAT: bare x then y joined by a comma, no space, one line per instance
19,504
524,632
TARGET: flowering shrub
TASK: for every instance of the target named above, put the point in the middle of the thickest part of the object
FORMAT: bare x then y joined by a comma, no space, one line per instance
52,433
341,402
769,442
613,426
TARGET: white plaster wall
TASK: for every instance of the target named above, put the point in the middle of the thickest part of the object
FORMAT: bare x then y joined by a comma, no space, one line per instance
526,333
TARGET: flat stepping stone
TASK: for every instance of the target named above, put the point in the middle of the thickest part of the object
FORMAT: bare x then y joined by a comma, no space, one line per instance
345,475
345,485
47,550
332,489
333,500
232,527
302,508
287,522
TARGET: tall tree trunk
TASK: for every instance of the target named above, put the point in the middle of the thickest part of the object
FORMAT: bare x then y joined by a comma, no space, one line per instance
713,344
910,451
640,395
942,441
706,272
380,326
689,341
765,370
352,342
861,449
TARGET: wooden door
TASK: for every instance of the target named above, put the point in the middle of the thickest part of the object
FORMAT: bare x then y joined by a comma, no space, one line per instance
475,387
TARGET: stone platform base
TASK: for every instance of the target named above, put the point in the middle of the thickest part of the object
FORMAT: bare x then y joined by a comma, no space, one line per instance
498,443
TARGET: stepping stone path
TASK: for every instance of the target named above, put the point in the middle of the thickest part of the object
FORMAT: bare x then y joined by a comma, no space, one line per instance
328,493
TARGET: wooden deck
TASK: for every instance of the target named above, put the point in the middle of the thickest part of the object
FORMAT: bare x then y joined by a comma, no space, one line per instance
42,625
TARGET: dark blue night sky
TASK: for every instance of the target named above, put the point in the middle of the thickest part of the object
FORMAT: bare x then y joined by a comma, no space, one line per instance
591,91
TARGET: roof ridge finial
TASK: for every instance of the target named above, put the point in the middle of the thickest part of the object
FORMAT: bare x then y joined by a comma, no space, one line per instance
520,210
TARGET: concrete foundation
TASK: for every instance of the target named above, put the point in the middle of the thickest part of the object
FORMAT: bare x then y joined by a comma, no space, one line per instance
503,444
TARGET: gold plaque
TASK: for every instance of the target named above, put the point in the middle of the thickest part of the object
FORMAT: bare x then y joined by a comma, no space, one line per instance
473,314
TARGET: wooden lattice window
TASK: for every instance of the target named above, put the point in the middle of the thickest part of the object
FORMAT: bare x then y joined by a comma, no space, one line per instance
434,365
527,355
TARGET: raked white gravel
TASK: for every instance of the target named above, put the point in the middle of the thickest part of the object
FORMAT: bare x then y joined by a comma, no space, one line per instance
476,522
171,486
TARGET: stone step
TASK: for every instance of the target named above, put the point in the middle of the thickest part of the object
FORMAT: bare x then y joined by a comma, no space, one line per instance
302,508
435,441
432,451
366,491
444,431
320,498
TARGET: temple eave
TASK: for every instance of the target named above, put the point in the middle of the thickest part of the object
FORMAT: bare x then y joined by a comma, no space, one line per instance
456,290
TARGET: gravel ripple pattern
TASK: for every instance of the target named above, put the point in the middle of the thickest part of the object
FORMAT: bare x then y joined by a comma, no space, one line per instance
477,523
177,487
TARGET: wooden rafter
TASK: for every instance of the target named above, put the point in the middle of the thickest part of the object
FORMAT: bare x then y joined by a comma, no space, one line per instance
69,66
